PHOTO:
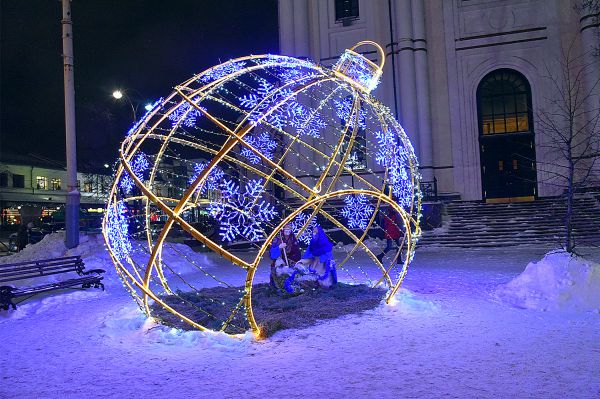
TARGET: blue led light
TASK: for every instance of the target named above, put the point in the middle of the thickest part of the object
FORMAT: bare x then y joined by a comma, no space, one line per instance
299,221
186,113
117,231
263,143
395,158
144,118
343,109
221,70
240,213
212,180
357,211
139,166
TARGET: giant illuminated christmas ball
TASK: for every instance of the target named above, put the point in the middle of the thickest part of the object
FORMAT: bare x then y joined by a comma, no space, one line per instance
239,151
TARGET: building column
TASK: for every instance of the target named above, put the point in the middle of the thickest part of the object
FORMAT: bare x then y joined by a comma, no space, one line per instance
590,40
406,71
422,90
301,36
589,27
286,27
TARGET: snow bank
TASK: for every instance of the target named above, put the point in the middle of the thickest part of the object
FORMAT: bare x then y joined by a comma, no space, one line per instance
130,325
557,282
92,249
51,246
406,302
183,260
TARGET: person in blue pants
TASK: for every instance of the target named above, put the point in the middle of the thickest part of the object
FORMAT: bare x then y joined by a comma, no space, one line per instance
317,260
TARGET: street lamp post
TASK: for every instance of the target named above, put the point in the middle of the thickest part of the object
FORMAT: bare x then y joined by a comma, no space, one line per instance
119,94
73,196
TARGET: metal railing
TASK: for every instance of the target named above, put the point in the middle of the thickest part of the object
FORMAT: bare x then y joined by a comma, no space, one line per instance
429,190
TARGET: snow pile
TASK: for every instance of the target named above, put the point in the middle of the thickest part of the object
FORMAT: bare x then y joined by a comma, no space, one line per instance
557,282
91,249
51,246
178,257
406,302
131,325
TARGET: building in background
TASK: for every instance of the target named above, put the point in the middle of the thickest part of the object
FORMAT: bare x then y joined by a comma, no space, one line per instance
464,77
32,188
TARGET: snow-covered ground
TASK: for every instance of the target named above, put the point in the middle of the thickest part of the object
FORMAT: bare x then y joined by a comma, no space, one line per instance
465,325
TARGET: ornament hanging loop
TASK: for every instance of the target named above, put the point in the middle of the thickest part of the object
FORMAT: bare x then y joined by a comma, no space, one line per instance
358,70
380,52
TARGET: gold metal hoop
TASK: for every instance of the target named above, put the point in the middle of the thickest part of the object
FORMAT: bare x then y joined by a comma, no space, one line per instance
377,47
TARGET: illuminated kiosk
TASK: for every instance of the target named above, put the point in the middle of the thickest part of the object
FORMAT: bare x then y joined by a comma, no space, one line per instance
246,147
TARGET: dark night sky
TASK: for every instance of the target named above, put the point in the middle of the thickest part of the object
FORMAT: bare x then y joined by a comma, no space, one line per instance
149,46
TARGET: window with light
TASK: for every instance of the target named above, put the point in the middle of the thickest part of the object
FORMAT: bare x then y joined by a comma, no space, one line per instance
42,183
504,102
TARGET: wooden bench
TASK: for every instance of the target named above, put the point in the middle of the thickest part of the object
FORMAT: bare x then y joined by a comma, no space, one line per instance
41,268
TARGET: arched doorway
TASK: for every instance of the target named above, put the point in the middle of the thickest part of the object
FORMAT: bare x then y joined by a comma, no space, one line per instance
506,137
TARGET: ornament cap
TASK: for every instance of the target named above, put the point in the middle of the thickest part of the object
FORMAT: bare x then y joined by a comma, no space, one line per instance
359,71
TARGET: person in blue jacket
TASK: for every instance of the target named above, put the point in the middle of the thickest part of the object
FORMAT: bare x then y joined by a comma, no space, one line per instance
318,259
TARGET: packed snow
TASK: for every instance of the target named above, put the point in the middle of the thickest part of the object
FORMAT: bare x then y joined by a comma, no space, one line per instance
557,282
466,324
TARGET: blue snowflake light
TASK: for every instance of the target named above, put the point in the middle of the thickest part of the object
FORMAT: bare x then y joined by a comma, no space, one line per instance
307,123
222,70
117,231
212,180
240,213
395,158
186,113
299,221
343,109
294,74
263,143
290,74
139,166
267,97
357,211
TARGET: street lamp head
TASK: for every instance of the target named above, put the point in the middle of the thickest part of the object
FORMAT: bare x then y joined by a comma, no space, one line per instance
148,107
117,94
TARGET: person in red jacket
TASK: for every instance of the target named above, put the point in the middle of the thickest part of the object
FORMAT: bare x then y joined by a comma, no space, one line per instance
393,228
284,253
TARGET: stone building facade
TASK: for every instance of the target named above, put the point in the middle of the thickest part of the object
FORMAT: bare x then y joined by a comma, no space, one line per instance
466,79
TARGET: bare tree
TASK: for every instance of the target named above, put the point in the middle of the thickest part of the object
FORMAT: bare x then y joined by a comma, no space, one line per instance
570,125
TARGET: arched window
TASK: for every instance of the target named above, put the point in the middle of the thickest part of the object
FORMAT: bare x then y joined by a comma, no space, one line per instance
504,103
